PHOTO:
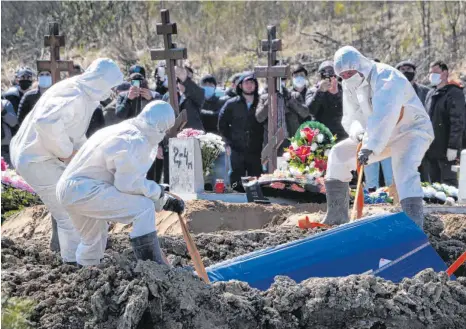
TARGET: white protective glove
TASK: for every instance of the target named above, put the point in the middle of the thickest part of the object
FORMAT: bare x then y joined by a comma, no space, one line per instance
452,154
356,132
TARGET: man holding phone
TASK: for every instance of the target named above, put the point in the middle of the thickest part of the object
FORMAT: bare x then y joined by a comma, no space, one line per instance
325,100
130,103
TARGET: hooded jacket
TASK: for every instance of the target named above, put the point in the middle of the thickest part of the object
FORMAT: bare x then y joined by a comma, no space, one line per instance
446,108
58,123
238,124
14,96
375,106
27,103
119,155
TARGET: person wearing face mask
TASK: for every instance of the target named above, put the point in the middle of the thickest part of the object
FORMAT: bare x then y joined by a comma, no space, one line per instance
408,68
24,77
105,182
381,110
53,132
31,97
325,101
9,122
130,103
242,131
445,104
212,104
296,111
161,80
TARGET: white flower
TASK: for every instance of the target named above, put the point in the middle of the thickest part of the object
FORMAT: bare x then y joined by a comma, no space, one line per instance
307,169
302,134
441,196
312,164
295,145
287,156
326,153
295,171
314,146
320,138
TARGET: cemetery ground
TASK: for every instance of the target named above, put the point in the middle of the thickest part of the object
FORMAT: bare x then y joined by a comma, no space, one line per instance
121,293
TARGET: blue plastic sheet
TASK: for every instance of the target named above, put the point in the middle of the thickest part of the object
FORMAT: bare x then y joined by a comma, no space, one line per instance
390,246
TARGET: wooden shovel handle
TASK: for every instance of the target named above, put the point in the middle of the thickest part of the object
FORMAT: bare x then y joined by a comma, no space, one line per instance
358,205
192,249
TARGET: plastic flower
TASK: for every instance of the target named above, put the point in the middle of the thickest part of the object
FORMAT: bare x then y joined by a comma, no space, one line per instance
287,156
321,164
314,147
320,138
307,133
295,171
303,152
4,165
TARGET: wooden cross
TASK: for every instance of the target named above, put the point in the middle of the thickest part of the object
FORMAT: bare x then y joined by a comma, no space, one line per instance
54,40
272,72
171,54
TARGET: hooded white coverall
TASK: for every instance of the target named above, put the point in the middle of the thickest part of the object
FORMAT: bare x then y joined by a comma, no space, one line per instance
374,109
56,128
106,180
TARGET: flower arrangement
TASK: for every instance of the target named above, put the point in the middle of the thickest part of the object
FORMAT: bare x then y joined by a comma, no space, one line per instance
381,195
308,153
11,178
16,193
211,147
440,193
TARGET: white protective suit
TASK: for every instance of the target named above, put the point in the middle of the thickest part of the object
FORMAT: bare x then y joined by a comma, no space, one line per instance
56,128
106,180
375,109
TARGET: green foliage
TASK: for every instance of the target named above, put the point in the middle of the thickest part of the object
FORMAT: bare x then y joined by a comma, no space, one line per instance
339,8
16,313
14,200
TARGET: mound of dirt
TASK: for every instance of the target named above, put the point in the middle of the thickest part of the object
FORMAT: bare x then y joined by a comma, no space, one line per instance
120,294
202,216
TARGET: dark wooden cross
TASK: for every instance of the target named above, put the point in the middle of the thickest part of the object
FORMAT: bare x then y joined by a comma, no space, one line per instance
272,73
54,40
171,54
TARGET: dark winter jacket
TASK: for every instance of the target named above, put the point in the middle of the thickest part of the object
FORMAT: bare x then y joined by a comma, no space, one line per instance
192,102
421,92
327,108
297,111
129,108
109,114
238,124
27,103
209,113
9,122
14,95
97,121
446,109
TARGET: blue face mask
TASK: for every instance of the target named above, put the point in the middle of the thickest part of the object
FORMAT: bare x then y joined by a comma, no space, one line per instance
209,91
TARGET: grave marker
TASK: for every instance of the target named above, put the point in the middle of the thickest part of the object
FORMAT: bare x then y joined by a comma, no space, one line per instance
170,53
185,163
272,72
54,40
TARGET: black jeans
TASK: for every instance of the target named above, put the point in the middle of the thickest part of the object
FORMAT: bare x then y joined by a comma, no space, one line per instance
242,163
440,172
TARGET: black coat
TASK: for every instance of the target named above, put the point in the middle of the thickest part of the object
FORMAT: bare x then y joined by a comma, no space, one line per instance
446,109
27,103
192,102
13,95
129,108
209,113
421,92
297,112
327,108
238,124
97,121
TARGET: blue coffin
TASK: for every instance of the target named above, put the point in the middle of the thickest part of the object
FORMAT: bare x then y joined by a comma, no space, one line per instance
390,246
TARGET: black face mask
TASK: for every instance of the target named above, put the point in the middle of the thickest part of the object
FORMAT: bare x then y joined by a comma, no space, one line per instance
409,76
25,84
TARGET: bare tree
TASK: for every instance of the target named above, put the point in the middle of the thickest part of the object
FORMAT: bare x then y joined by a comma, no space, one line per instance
424,9
452,11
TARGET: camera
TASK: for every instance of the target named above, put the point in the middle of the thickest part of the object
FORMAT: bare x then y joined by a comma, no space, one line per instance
327,75
136,83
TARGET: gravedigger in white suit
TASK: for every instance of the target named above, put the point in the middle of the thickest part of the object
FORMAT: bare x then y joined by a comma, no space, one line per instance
381,110
53,132
106,182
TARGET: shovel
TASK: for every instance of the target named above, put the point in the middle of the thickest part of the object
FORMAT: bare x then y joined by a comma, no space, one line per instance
192,249
358,205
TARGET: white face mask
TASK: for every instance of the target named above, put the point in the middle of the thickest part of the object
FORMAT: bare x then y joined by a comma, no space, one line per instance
299,82
435,79
354,82
45,81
